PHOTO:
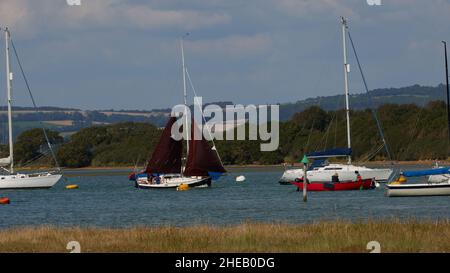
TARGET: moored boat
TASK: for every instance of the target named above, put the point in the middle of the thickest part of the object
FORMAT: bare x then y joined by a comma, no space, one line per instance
164,169
323,171
364,184
173,181
424,189
404,189
9,178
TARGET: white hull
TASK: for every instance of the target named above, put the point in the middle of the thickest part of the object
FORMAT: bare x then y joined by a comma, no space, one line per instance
410,190
29,181
345,172
173,182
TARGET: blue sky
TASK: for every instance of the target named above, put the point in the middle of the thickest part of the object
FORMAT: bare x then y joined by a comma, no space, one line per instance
125,54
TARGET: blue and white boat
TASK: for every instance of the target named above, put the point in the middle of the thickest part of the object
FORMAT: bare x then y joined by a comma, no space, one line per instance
403,189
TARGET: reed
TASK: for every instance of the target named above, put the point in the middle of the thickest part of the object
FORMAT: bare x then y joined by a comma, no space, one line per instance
339,236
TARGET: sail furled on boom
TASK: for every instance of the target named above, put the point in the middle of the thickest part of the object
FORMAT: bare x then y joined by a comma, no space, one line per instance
338,152
436,171
202,159
166,157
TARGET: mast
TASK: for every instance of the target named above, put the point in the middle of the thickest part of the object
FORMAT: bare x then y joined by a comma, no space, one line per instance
185,96
9,77
346,71
448,95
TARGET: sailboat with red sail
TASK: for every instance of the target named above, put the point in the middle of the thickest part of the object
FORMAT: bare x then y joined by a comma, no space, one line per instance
165,169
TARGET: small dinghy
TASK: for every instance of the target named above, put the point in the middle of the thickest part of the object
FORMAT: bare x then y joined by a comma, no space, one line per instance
363,184
400,187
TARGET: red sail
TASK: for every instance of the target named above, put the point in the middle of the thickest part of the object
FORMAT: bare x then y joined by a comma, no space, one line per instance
202,158
166,157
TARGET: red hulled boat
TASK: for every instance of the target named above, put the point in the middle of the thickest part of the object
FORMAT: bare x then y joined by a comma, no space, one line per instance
363,184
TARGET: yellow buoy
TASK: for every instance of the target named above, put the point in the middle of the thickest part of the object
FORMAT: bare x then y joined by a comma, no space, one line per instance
72,187
401,179
183,187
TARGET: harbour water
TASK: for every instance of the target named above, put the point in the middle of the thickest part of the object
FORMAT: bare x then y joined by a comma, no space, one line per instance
108,199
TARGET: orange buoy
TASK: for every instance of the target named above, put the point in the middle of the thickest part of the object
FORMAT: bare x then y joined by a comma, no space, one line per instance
4,201
72,187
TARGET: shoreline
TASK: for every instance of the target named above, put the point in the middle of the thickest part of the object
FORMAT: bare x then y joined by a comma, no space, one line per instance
336,236
431,163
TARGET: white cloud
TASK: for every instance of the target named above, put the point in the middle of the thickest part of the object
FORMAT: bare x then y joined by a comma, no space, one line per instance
15,14
237,47
103,13
143,16
233,46
312,8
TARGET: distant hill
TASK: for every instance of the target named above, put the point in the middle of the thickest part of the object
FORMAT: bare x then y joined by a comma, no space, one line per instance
415,94
42,108
71,120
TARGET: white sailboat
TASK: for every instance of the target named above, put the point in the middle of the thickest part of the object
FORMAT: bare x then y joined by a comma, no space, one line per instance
9,179
345,171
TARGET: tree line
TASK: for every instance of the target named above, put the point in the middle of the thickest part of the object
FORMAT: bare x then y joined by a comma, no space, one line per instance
412,133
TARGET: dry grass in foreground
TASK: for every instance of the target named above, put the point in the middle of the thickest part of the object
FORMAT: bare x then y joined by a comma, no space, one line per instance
411,236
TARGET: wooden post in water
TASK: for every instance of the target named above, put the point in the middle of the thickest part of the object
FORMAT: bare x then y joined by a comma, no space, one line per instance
305,162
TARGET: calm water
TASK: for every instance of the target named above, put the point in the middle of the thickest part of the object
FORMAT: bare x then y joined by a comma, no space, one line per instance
108,199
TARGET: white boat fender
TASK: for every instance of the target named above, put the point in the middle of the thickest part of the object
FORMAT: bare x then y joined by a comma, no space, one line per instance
240,178
377,185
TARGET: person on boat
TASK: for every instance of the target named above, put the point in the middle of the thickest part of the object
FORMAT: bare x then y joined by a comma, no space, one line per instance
358,176
149,178
301,179
157,179
132,176
335,178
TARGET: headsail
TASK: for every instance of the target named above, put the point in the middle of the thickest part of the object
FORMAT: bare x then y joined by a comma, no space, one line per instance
166,157
202,159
